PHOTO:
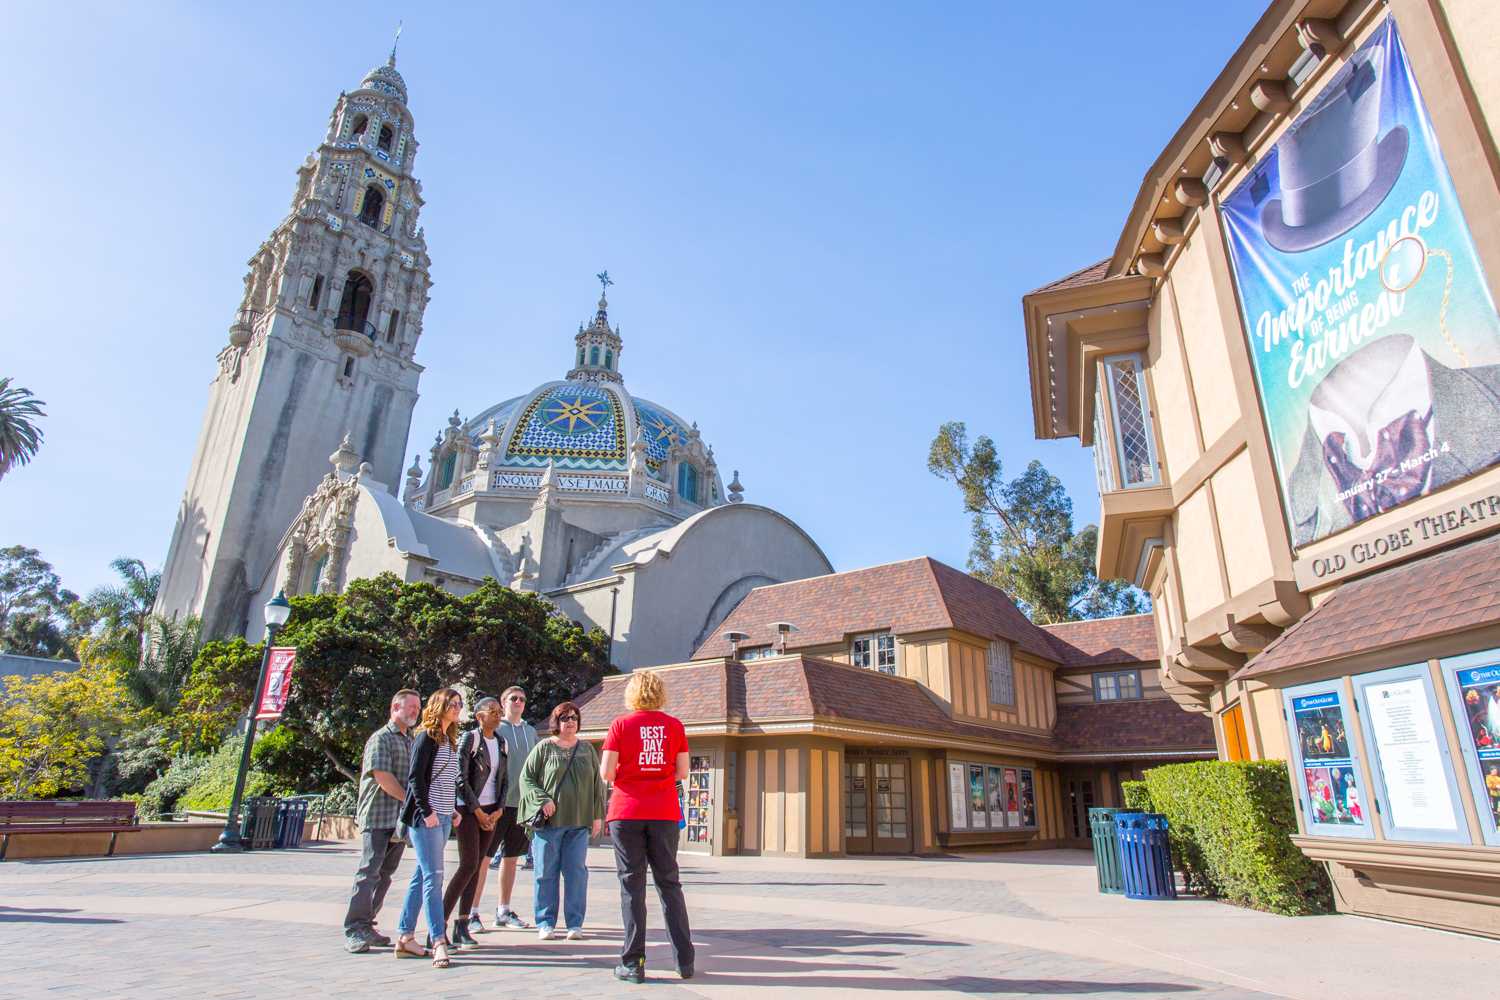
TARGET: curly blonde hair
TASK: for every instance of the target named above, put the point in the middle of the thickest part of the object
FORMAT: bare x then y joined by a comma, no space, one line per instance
645,692
432,715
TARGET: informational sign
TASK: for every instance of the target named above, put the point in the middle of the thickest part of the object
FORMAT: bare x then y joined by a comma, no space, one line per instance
1327,766
1406,750
279,666
976,797
1012,798
1479,693
958,797
1374,339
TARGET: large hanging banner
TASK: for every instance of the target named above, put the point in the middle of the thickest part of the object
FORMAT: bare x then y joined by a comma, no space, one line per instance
1374,339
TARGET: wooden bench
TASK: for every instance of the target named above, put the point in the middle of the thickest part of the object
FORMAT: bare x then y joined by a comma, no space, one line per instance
111,817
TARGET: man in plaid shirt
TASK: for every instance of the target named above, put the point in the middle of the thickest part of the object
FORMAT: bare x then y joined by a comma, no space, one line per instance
382,789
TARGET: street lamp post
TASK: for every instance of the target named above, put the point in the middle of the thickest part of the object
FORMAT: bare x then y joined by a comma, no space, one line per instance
278,609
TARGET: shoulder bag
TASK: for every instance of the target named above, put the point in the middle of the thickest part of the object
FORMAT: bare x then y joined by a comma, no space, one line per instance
539,819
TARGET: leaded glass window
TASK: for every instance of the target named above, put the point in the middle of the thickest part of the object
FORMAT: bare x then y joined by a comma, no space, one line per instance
1135,445
874,652
1002,673
1104,470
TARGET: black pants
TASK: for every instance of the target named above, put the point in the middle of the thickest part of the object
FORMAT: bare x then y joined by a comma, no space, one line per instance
475,845
379,856
653,842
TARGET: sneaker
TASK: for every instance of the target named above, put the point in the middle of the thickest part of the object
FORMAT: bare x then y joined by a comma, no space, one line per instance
377,939
511,919
633,973
575,934
355,944
476,926
495,863
545,933
685,971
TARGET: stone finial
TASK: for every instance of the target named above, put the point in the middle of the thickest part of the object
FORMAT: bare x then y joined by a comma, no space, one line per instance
413,479
637,467
345,460
366,471
489,445
736,488
546,495
523,575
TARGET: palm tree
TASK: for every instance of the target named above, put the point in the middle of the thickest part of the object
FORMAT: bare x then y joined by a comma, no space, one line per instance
19,435
121,611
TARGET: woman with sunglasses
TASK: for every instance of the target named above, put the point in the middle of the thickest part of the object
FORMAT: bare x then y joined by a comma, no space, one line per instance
429,813
561,782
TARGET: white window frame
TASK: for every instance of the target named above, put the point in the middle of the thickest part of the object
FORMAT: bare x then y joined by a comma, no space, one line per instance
1000,663
879,654
1113,676
756,652
1104,469
1147,421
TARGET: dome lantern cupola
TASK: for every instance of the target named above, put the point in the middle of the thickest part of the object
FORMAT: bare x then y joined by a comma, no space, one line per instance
598,346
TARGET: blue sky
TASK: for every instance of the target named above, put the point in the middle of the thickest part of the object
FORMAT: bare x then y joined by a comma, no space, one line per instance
820,218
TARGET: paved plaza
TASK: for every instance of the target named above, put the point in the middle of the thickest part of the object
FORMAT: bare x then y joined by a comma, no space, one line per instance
268,925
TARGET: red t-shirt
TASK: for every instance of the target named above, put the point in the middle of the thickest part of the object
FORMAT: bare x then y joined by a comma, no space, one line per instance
646,781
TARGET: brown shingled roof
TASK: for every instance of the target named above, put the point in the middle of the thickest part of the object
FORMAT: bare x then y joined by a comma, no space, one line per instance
1111,727
1083,276
1457,591
1101,642
913,596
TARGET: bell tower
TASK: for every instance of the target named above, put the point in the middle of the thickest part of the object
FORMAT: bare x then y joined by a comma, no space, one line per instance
321,347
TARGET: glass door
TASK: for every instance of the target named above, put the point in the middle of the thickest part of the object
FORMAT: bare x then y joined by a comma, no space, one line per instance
892,818
857,838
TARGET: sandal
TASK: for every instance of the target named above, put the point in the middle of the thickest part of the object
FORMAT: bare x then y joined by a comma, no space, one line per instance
407,947
440,955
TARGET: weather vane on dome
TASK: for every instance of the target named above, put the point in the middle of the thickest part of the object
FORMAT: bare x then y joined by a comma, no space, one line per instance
604,282
394,42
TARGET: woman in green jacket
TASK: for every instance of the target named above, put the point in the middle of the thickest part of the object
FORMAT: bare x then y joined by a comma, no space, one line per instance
561,780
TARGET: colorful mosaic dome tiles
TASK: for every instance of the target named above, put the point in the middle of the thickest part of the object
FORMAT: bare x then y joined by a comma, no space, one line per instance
574,425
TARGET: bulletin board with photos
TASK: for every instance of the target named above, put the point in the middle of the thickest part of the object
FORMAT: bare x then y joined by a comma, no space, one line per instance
698,809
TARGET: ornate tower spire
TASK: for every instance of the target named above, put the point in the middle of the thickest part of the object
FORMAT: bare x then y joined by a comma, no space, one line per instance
323,340
599,347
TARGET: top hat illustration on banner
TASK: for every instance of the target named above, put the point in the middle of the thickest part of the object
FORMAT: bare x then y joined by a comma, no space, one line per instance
1335,167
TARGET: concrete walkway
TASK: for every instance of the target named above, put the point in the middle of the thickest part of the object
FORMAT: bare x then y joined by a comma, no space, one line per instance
267,924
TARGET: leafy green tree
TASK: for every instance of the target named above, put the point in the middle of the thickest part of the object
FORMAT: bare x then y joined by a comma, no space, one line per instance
218,690
117,617
20,437
34,605
1022,534
53,727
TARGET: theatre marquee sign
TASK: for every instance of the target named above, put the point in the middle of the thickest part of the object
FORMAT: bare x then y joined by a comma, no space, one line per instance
1466,515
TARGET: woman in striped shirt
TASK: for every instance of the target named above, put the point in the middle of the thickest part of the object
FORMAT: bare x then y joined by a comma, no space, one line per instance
429,814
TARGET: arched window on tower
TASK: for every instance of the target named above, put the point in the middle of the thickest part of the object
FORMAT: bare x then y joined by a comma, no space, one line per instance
609,359
354,306
594,355
369,213
446,470
360,124
315,298
393,327
386,138
580,357
687,482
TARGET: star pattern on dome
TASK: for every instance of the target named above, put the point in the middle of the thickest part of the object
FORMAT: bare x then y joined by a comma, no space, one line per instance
659,431
575,411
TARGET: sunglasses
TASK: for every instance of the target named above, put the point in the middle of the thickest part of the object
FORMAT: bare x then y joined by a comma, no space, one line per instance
516,697
567,718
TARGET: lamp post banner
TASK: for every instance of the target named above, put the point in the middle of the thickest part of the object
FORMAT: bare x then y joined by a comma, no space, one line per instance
278,683
1371,328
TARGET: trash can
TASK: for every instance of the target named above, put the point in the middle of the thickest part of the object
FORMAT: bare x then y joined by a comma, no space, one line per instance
1107,847
291,817
258,822
1145,856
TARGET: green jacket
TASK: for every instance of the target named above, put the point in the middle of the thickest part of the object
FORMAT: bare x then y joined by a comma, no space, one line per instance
580,796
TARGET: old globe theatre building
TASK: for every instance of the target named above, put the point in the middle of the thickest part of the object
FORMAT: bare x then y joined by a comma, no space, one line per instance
1289,372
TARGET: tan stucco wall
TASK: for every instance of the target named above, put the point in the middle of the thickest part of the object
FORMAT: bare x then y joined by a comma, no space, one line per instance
1198,554
1191,288
1247,557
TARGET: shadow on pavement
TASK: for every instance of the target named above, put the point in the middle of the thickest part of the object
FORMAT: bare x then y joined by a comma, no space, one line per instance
17,915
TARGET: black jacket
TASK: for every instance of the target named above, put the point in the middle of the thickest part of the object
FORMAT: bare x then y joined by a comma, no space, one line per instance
474,770
418,806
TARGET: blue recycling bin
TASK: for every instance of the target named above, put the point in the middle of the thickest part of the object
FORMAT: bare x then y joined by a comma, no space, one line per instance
1145,856
291,818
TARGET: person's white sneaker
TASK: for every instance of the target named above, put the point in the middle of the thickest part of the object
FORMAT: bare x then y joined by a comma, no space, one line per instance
510,919
545,933
575,933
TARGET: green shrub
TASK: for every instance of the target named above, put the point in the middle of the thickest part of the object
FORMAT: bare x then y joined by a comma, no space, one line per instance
161,795
342,800
1230,826
1136,795
214,784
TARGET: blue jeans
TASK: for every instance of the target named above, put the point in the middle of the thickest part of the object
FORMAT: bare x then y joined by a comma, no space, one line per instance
561,852
426,885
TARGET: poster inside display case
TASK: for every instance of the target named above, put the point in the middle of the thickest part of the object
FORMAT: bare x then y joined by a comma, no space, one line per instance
699,805
958,797
1012,798
977,815
1473,683
1028,800
1409,757
1325,766
994,787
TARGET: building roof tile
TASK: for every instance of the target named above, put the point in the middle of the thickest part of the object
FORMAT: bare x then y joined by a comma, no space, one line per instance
1105,641
1123,726
1083,276
1457,589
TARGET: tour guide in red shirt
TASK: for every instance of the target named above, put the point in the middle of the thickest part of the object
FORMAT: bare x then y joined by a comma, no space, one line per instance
645,755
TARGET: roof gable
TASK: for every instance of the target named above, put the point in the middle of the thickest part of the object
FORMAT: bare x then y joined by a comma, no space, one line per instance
1105,641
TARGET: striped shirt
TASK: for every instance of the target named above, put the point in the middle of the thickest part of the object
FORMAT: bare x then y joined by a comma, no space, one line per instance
442,793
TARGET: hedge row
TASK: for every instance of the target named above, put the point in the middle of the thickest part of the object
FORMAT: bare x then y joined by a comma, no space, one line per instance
1230,826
